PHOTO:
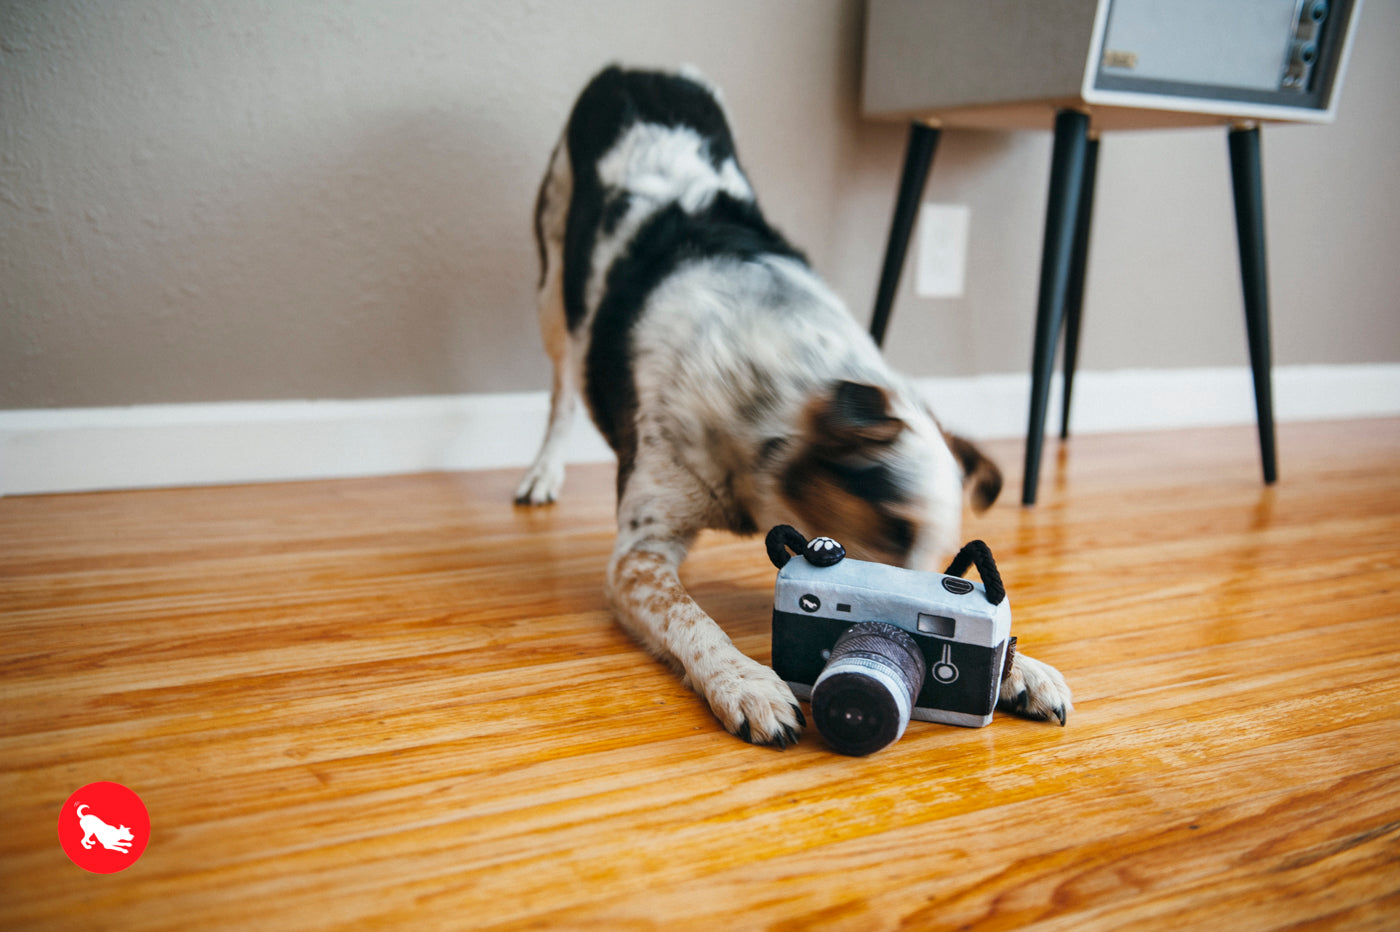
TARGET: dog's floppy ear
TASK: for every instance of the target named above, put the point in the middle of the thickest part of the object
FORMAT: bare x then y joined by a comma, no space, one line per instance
852,415
980,474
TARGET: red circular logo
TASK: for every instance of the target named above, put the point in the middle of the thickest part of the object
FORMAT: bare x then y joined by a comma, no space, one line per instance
104,828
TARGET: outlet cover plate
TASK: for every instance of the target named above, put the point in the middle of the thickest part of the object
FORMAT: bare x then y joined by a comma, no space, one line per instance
942,263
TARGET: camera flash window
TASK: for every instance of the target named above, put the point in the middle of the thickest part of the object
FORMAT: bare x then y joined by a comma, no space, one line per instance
842,607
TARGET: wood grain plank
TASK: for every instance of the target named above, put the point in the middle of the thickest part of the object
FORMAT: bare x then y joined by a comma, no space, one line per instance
401,703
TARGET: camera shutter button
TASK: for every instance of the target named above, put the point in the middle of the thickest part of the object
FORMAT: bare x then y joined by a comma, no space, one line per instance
823,551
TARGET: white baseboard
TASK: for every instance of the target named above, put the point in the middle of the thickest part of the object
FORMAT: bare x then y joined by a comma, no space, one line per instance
83,449
1164,399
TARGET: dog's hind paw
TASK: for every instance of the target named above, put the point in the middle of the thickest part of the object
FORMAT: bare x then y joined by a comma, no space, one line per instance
1036,690
751,701
541,484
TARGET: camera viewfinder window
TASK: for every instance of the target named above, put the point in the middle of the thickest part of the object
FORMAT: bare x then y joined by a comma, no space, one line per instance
936,625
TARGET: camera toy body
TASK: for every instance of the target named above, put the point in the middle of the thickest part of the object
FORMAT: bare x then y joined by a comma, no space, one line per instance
936,643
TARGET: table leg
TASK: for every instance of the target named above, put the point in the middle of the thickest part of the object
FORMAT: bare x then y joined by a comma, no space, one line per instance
918,159
1074,301
1061,216
1247,179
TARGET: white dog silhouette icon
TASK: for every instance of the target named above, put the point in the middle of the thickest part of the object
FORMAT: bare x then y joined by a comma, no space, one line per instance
113,838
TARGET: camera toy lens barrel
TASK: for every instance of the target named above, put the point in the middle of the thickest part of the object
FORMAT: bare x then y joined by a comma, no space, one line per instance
864,697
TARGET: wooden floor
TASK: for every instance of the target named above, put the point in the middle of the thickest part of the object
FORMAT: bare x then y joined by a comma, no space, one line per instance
401,703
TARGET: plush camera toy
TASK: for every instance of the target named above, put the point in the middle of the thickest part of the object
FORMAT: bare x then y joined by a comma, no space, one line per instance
873,645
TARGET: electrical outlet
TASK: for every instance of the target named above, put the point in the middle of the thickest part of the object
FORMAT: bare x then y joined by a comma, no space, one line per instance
942,266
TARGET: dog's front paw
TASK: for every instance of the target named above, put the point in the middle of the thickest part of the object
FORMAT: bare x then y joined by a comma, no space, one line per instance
541,484
1036,690
751,701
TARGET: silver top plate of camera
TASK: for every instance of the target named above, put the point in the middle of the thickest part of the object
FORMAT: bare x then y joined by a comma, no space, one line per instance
931,604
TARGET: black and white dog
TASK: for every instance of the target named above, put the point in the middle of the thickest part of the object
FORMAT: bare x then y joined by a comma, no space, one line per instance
733,385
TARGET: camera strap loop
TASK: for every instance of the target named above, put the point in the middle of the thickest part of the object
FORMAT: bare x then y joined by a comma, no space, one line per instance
978,553
780,540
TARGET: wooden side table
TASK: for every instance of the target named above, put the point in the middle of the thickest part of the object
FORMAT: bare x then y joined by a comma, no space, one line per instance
1081,68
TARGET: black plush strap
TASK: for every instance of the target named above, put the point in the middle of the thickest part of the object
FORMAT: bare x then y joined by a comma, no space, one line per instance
978,553
780,540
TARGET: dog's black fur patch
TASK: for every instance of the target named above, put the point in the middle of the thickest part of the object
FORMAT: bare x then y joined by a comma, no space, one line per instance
728,227
610,104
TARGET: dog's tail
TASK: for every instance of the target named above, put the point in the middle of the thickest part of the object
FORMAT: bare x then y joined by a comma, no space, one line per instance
81,807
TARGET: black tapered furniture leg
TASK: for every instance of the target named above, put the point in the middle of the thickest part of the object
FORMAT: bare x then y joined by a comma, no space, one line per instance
1247,178
918,158
1074,299
1061,216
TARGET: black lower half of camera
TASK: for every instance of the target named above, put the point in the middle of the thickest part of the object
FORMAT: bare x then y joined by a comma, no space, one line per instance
960,683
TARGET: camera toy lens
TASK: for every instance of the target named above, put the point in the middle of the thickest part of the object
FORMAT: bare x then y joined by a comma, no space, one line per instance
865,694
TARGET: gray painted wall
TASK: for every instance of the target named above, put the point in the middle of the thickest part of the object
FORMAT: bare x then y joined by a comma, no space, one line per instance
210,200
